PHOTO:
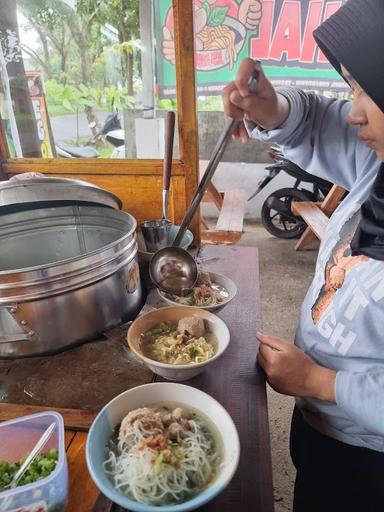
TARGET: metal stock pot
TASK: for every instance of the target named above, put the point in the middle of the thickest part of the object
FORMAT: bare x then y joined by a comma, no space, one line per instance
67,273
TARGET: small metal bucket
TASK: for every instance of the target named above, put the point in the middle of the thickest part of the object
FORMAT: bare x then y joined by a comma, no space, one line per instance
156,234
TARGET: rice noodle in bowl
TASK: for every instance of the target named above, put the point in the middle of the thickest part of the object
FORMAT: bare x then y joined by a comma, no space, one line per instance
162,447
211,292
163,455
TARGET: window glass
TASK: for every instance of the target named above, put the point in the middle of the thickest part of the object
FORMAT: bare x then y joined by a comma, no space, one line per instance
72,79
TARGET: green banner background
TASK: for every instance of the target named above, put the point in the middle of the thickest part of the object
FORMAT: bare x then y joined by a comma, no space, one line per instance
313,76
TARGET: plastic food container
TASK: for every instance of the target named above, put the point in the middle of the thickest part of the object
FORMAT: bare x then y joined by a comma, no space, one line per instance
17,438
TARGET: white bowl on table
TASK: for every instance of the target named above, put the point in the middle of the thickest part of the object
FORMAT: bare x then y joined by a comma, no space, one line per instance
112,414
221,283
177,372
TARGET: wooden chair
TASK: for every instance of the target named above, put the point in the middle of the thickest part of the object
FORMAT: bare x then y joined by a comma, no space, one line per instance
316,216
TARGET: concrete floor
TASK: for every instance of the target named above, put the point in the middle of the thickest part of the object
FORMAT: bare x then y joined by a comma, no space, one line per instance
284,278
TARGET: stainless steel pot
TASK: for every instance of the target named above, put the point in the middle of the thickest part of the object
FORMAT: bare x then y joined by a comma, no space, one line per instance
67,274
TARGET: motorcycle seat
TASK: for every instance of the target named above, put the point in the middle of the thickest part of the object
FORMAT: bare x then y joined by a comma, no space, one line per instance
79,151
298,173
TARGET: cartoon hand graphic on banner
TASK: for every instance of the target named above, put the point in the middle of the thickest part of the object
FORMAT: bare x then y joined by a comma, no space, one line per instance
168,45
250,13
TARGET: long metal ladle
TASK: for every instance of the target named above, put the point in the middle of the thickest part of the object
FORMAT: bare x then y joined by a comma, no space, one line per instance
172,269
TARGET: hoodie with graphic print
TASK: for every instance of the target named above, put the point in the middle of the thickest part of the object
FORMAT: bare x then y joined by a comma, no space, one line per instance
341,324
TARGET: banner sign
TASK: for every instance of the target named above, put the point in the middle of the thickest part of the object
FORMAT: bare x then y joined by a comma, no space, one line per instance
277,32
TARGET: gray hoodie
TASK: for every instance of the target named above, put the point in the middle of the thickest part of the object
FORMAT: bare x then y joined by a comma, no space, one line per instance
341,323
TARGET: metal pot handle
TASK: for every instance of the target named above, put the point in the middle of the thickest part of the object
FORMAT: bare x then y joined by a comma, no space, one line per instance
12,338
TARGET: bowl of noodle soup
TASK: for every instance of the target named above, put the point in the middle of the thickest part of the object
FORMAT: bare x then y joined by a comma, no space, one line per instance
212,292
136,463
178,342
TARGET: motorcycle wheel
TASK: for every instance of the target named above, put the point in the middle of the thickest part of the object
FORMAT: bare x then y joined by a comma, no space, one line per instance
279,224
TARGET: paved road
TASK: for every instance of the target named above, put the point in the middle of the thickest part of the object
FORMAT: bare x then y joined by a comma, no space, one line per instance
64,127
231,175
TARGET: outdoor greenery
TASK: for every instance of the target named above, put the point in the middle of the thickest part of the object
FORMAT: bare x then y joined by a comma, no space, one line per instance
89,55
75,98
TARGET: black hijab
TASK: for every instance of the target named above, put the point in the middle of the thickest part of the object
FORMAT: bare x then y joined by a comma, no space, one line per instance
354,37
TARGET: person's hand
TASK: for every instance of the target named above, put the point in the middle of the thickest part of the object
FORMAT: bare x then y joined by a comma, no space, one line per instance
168,45
291,372
250,13
263,106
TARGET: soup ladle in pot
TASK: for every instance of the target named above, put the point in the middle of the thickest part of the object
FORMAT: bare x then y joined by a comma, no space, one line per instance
172,269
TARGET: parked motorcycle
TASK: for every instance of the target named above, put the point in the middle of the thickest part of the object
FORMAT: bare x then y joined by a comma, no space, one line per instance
276,214
111,131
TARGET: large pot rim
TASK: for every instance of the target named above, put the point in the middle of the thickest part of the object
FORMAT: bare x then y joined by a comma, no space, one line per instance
69,261
33,283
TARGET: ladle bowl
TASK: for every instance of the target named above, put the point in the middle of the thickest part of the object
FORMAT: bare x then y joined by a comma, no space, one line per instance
173,270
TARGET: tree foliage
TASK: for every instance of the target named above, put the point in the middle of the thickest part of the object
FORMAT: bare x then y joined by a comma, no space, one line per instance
73,45
75,50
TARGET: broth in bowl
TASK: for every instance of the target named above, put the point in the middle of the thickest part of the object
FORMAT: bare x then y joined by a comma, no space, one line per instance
152,337
204,293
211,292
181,438
163,454
185,342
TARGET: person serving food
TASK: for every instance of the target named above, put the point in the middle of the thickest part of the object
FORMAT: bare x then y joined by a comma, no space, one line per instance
335,369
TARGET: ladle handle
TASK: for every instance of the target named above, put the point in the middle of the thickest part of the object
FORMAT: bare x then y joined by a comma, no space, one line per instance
229,129
231,125
167,164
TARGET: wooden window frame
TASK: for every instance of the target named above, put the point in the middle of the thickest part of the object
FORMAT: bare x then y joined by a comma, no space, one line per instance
139,182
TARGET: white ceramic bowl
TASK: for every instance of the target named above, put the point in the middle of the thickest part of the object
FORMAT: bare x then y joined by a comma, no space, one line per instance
112,414
179,372
221,282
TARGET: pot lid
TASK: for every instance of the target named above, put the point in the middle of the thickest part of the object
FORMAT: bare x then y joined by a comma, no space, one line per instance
19,194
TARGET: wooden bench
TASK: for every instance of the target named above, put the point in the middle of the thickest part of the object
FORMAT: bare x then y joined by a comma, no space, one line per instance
231,208
229,226
316,216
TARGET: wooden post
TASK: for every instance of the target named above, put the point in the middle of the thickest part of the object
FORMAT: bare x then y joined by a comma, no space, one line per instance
4,152
147,68
183,14
18,83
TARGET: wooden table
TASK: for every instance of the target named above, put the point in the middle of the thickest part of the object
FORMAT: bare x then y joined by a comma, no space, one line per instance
235,381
